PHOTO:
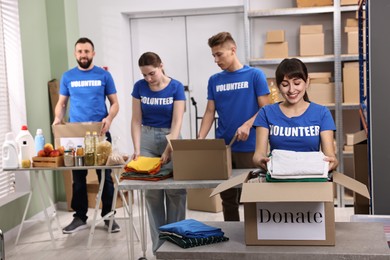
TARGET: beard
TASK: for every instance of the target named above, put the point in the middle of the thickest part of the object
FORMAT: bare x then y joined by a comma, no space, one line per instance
84,63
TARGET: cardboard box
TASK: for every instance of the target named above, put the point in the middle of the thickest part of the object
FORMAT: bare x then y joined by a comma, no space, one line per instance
93,189
290,213
201,159
275,36
199,199
351,22
311,29
349,2
357,137
353,42
351,82
320,77
314,3
321,93
276,50
312,44
72,134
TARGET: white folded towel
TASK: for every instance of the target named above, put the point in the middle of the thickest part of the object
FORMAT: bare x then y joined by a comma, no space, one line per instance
286,164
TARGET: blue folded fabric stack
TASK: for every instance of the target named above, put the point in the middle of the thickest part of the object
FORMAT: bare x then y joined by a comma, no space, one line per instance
190,233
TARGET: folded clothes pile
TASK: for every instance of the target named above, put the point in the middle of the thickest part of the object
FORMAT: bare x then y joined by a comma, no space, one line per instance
191,233
297,166
145,168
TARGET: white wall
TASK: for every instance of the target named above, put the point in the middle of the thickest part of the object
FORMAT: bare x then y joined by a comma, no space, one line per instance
107,24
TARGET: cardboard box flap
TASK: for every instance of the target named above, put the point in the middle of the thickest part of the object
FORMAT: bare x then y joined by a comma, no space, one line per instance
351,184
230,183
287,192
75,129
197,144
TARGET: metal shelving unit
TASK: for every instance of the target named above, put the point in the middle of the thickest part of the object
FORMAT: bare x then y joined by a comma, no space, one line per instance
337,58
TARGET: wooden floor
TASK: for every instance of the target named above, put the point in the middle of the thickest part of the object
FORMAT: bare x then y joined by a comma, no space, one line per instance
35,241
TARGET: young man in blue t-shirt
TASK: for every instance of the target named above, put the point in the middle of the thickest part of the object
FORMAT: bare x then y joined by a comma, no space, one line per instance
87,87
236,94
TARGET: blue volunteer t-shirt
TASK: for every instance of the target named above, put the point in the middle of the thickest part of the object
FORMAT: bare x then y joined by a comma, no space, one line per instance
301,133
157,106
235,96
87,91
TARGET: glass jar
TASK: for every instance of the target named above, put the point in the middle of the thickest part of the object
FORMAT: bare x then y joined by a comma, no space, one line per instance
68,158
80,151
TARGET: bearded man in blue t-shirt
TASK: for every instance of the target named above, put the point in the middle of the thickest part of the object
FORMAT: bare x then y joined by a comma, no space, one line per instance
236,94
87,86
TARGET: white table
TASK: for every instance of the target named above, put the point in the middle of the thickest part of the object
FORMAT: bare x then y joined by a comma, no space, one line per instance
129,185
38,176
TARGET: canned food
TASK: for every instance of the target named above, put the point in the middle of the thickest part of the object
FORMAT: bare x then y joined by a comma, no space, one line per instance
79,160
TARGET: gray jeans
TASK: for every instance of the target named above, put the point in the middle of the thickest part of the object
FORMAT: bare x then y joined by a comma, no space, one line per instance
163,206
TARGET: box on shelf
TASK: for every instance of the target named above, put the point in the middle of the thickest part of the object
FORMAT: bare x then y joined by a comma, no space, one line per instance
321,93
201,159
48,161
199,199
290,213
313,3
320,77
349,2
276,50
311,40
353,42
351,82
357,137
311,29
351,22
275,36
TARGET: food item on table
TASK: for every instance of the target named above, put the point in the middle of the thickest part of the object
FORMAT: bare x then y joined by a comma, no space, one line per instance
26,163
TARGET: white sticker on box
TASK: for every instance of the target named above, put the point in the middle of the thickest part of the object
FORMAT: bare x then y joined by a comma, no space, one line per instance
69,142
291,221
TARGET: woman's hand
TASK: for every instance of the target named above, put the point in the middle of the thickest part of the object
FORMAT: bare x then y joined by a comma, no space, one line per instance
165,157
261,161
134,156
333,162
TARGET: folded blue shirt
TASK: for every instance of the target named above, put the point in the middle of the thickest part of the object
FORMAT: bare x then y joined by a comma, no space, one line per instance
190,228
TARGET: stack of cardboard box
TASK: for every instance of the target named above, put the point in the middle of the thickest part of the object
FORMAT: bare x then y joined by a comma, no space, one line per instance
321,89
311,39
276,46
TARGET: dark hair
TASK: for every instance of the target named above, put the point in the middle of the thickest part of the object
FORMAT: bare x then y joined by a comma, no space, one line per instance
291,68
220,39
149,58
85,40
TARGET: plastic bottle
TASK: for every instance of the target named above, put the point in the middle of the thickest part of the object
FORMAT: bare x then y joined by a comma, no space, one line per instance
89,156
10,152
25,159
25,136
95,141
39,141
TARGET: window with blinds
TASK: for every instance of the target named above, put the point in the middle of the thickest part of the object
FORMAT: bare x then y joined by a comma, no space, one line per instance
7,178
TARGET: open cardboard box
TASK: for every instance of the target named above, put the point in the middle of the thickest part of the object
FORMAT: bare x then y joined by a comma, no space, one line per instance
290,213
201,159
73,134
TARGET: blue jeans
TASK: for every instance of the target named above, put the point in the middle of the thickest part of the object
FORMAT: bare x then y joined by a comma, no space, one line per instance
79,193
163,206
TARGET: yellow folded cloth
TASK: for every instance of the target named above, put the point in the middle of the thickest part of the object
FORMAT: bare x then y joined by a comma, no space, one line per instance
144,164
